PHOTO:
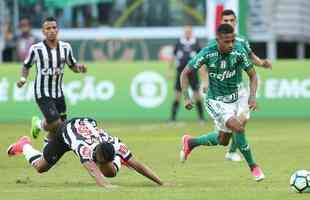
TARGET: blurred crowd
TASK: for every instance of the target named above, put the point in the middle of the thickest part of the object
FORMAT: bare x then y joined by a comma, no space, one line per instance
17,45
106,13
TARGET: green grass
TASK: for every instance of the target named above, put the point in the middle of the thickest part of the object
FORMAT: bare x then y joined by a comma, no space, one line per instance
280,147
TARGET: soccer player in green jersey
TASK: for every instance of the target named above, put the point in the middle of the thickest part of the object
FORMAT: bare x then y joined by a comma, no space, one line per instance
223,63
229,17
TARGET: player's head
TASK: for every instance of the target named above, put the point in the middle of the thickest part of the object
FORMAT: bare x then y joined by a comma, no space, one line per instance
225,38
24,25
229,17
104,152
188,31
50,29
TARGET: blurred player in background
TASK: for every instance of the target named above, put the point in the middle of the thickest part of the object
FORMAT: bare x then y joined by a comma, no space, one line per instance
50,57
25,39
223,62
185,49
100,153
229,17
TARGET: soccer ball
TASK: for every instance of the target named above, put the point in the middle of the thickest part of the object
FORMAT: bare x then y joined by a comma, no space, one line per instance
300,181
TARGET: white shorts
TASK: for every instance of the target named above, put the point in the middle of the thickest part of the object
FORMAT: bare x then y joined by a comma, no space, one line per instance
221,112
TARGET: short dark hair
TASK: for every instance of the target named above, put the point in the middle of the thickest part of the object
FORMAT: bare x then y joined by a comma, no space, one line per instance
225,29
106,150
228,12
50,19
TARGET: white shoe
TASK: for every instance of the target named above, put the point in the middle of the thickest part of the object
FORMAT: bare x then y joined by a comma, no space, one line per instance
233,156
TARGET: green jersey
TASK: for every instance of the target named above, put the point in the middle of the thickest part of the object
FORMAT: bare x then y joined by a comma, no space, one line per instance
224,70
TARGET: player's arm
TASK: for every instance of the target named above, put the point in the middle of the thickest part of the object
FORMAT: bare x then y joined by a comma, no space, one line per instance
94,171
144,170
26,67
265,63
193,64
73,64
204,77
253,87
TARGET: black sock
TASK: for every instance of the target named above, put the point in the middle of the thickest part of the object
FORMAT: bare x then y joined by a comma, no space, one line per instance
174,110
200,110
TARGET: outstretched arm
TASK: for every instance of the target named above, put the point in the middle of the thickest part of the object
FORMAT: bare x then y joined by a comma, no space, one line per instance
94,171
265,63
144,170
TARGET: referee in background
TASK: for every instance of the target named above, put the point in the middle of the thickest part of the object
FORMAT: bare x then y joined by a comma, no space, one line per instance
185,49
50,57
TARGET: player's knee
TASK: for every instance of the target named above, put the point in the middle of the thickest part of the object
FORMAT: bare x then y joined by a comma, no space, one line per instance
239,129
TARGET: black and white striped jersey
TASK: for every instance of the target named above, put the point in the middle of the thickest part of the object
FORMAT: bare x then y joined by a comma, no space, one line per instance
82,136
50,64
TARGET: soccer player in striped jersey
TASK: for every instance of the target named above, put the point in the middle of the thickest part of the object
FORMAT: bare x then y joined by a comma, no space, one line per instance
100,153
224,63
50,57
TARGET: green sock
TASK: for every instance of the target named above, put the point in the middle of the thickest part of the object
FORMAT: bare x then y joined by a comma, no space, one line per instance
211,139
244,148
233,146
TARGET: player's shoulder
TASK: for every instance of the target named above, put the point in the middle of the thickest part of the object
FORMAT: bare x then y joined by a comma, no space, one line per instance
37,45
64,44
240,38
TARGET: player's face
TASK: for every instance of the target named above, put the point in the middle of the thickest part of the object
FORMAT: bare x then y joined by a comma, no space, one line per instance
50,30
24,26
188,32
225,42
229,19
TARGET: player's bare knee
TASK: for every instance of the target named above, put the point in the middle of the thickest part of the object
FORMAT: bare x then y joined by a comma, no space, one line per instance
239,129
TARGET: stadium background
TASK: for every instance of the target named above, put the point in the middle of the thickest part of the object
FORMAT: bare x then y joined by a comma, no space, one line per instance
126,45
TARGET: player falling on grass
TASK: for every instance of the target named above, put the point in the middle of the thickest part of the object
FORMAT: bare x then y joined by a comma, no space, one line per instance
50,57
100,153
229,17
223,63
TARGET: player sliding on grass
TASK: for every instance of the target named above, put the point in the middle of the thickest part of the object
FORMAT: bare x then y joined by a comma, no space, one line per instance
223,63
229,17
100,153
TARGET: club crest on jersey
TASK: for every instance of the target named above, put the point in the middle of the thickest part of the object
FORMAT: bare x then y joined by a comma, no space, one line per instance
85,152
223,64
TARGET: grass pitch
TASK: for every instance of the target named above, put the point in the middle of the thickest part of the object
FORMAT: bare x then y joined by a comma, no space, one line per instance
279,146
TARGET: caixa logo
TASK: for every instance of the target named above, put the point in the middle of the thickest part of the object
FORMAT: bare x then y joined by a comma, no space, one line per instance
52,71
148,89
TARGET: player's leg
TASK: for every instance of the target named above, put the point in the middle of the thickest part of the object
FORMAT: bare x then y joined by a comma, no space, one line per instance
243,114
52,119
177,97
194,83
33,156
234,124
219,112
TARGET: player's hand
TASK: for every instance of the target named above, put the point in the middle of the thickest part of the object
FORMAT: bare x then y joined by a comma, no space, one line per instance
81,68
21,82
188,104
252,104
168,184
267,64
110,187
